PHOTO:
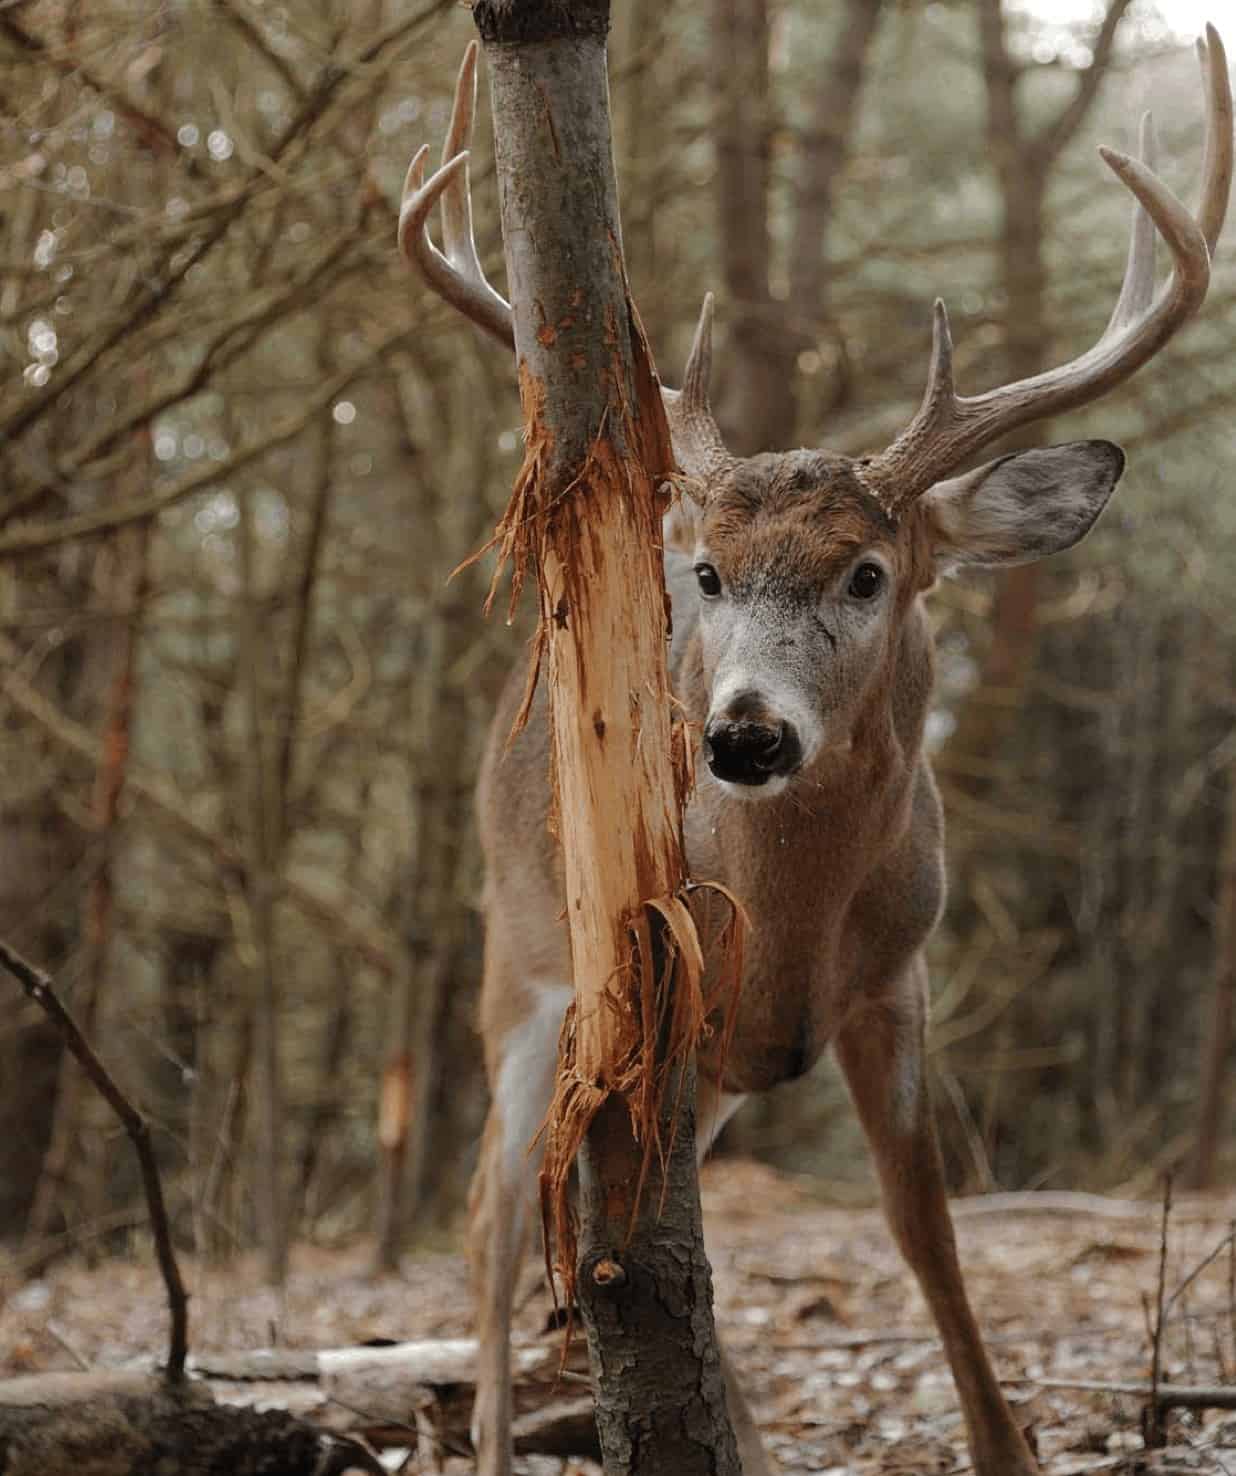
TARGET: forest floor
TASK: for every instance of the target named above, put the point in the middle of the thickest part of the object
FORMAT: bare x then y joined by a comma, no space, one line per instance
835,1343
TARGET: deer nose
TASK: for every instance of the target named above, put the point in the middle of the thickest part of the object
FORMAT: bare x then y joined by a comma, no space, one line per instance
745,752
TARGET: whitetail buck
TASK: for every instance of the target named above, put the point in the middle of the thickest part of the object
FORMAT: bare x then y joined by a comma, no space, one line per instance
802,652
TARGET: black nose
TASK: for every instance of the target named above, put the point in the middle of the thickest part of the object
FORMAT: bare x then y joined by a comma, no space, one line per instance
746,752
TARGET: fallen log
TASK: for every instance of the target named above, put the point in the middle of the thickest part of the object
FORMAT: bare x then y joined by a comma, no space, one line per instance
387,1393
237,1411
128,1424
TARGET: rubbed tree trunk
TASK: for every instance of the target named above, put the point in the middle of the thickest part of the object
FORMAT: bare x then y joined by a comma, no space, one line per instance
585,517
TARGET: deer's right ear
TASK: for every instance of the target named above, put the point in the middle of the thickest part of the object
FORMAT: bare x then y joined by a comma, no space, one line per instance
680,525
1024,506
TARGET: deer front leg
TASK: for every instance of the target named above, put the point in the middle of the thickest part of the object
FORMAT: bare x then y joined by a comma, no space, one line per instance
880,1049
499,1210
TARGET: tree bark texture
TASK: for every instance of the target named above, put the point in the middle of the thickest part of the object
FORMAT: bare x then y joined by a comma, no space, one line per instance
585,516
646,1293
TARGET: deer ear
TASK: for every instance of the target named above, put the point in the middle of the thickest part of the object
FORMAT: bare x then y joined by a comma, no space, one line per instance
680,525
1024,506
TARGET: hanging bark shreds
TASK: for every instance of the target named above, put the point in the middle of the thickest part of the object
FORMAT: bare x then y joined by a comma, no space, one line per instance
606,520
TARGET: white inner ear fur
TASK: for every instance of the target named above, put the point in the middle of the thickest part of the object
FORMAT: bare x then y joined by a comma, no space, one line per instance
1025,506
679,526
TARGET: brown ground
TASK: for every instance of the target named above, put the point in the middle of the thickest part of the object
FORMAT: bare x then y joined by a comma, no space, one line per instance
837,1347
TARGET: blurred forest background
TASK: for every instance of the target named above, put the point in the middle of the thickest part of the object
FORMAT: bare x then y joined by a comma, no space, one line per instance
241,449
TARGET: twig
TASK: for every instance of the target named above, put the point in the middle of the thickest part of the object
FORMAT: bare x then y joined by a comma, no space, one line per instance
1207,1261
74,1353
1231,1286
1154,1413
1050,1202
40,989
151,130
163,285
37,536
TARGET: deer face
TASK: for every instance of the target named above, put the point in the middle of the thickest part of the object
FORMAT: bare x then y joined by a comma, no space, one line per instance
800,576
804,579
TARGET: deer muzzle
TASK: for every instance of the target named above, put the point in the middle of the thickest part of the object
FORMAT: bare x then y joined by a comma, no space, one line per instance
744,751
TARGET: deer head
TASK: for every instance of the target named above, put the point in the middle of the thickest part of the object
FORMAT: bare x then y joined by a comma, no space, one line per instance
808,561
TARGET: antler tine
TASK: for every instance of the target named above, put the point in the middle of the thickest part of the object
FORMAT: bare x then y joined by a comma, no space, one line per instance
949,428
697,441
698,373
1137,289
1217,153
457,275
939,398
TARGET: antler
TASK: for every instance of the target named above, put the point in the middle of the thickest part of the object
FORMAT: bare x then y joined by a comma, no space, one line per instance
697,440
456,274
948,427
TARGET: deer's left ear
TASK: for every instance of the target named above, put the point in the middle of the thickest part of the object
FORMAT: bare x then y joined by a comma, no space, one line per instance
680,525
1024,506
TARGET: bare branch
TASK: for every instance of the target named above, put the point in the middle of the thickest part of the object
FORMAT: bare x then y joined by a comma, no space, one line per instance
46,535
40,989
1057,135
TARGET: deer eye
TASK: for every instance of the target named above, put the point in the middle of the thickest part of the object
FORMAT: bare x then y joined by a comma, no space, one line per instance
710,580
866,581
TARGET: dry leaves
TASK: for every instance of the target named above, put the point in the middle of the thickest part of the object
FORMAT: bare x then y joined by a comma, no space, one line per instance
826,1324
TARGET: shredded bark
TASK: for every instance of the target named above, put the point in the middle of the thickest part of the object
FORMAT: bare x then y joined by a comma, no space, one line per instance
664,1014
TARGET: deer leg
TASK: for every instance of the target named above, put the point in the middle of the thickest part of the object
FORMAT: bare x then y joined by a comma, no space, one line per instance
499,1211
881,1052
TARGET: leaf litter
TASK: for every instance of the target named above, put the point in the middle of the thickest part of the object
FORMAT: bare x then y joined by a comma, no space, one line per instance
823,1320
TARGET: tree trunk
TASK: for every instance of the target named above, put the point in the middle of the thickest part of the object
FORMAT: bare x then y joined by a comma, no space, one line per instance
756,398
1218,1038
585,516
990,711
646,1295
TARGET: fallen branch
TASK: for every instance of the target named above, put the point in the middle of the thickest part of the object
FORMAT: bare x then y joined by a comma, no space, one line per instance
1170,1396
135,1423
1051,1202
398,1395
39,987
386,1394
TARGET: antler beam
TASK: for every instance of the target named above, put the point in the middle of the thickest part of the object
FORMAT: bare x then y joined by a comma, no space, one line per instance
948,428
456,275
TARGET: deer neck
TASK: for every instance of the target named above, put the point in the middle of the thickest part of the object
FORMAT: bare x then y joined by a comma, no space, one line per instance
816,867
